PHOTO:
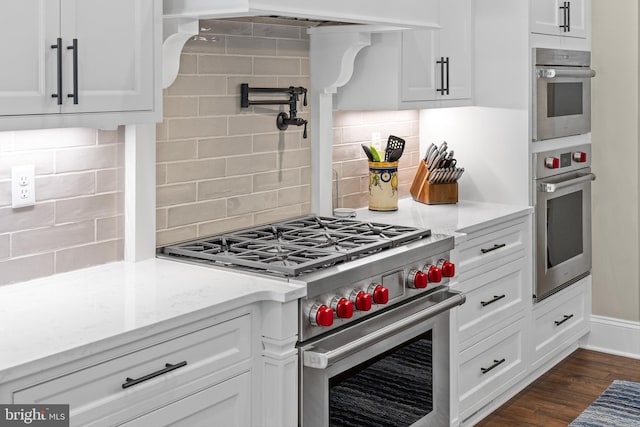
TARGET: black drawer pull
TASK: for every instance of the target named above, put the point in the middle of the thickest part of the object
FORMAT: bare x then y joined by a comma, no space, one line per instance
58,93
495,298
168,368
501,245
496,363
566,317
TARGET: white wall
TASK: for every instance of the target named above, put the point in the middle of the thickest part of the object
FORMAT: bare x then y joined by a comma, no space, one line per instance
615,97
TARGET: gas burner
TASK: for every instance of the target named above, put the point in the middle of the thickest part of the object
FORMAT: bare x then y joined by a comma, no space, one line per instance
291,248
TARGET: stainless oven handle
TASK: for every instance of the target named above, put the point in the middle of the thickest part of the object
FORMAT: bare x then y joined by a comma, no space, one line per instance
550,73
547,187
322,360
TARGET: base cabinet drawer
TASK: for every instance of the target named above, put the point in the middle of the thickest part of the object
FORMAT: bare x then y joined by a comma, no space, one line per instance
143,380
490,367
491,298
227,404
493,245
561,319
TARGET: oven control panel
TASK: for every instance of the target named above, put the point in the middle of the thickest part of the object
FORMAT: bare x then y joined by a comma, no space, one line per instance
362,298
563,160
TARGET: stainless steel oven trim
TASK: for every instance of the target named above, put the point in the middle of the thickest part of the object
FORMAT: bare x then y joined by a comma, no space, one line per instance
322,357
547,281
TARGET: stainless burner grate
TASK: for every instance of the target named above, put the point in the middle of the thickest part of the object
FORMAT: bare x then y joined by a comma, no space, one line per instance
293,247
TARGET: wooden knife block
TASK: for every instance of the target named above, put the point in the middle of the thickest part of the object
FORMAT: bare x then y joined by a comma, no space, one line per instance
432,194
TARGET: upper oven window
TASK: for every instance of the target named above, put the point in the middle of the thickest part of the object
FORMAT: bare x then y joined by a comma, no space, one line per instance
392,389
564,99
564,228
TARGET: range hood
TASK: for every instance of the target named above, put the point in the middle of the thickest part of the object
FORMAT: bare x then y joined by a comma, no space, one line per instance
406,13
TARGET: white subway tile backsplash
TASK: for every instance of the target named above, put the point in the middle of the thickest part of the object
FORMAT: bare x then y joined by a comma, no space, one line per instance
224,225
224,146
40,215
88,255
276,66
274,180
194,213
240,165
278,31
198,85
254,46
110,228
224,64
63,186
174,235
175,150
221,106
86,158
42,161
299,48
5,249
179,106
45,139
5,193
277,141
6,141
195,170
194,127
252,203
52,238
224,187
26,268
168,195
86,207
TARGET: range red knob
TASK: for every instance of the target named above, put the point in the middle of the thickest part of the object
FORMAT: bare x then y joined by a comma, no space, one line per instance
434,273
579,156
551,162
362,300
343,307
417,279
380,294
448,268
321,315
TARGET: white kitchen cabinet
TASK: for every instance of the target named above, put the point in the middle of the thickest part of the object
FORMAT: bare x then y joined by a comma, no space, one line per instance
225,403
560,17
106,60
436,64
216,358
414,68
560,320
494,271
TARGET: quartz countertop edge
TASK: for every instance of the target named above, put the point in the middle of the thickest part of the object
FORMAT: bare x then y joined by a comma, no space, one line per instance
51,320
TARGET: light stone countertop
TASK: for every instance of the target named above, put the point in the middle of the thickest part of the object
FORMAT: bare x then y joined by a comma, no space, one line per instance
53,319
58,318
456,219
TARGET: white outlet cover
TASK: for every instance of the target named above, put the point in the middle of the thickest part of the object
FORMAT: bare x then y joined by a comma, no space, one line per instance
23,190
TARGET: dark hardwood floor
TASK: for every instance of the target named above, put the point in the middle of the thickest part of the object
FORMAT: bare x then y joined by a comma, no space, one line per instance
562,393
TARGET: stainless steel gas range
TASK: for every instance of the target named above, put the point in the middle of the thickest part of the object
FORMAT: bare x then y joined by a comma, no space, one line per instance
373,328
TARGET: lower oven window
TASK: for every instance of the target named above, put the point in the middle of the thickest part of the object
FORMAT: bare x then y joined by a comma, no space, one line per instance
564,228
392,389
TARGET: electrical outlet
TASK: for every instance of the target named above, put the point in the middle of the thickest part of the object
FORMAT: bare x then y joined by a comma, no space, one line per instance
23,188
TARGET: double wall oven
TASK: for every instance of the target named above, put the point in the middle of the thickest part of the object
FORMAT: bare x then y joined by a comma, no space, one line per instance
374,326
563,218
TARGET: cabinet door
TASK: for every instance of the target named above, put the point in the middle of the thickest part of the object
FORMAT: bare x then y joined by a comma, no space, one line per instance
433,60
420,71
28,28
226,404
547,17
115,42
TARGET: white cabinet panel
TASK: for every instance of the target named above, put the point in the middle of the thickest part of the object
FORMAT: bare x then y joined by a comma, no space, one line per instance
226,404
28,74
115,54
560,17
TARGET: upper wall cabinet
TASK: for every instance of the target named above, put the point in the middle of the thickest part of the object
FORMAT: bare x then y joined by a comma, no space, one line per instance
560,17
412,69
66,58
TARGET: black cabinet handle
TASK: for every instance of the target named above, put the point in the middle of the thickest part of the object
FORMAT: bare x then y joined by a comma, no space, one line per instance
496,363
447,62
74,95
168,368
566,317
566,27
58,93
501,245
442,62
495,298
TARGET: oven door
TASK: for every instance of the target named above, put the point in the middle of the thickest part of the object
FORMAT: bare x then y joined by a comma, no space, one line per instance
390,370
563,230
562,102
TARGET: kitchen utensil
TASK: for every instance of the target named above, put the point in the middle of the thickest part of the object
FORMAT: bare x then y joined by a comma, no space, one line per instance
375,153
368,152
394,149
432,147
